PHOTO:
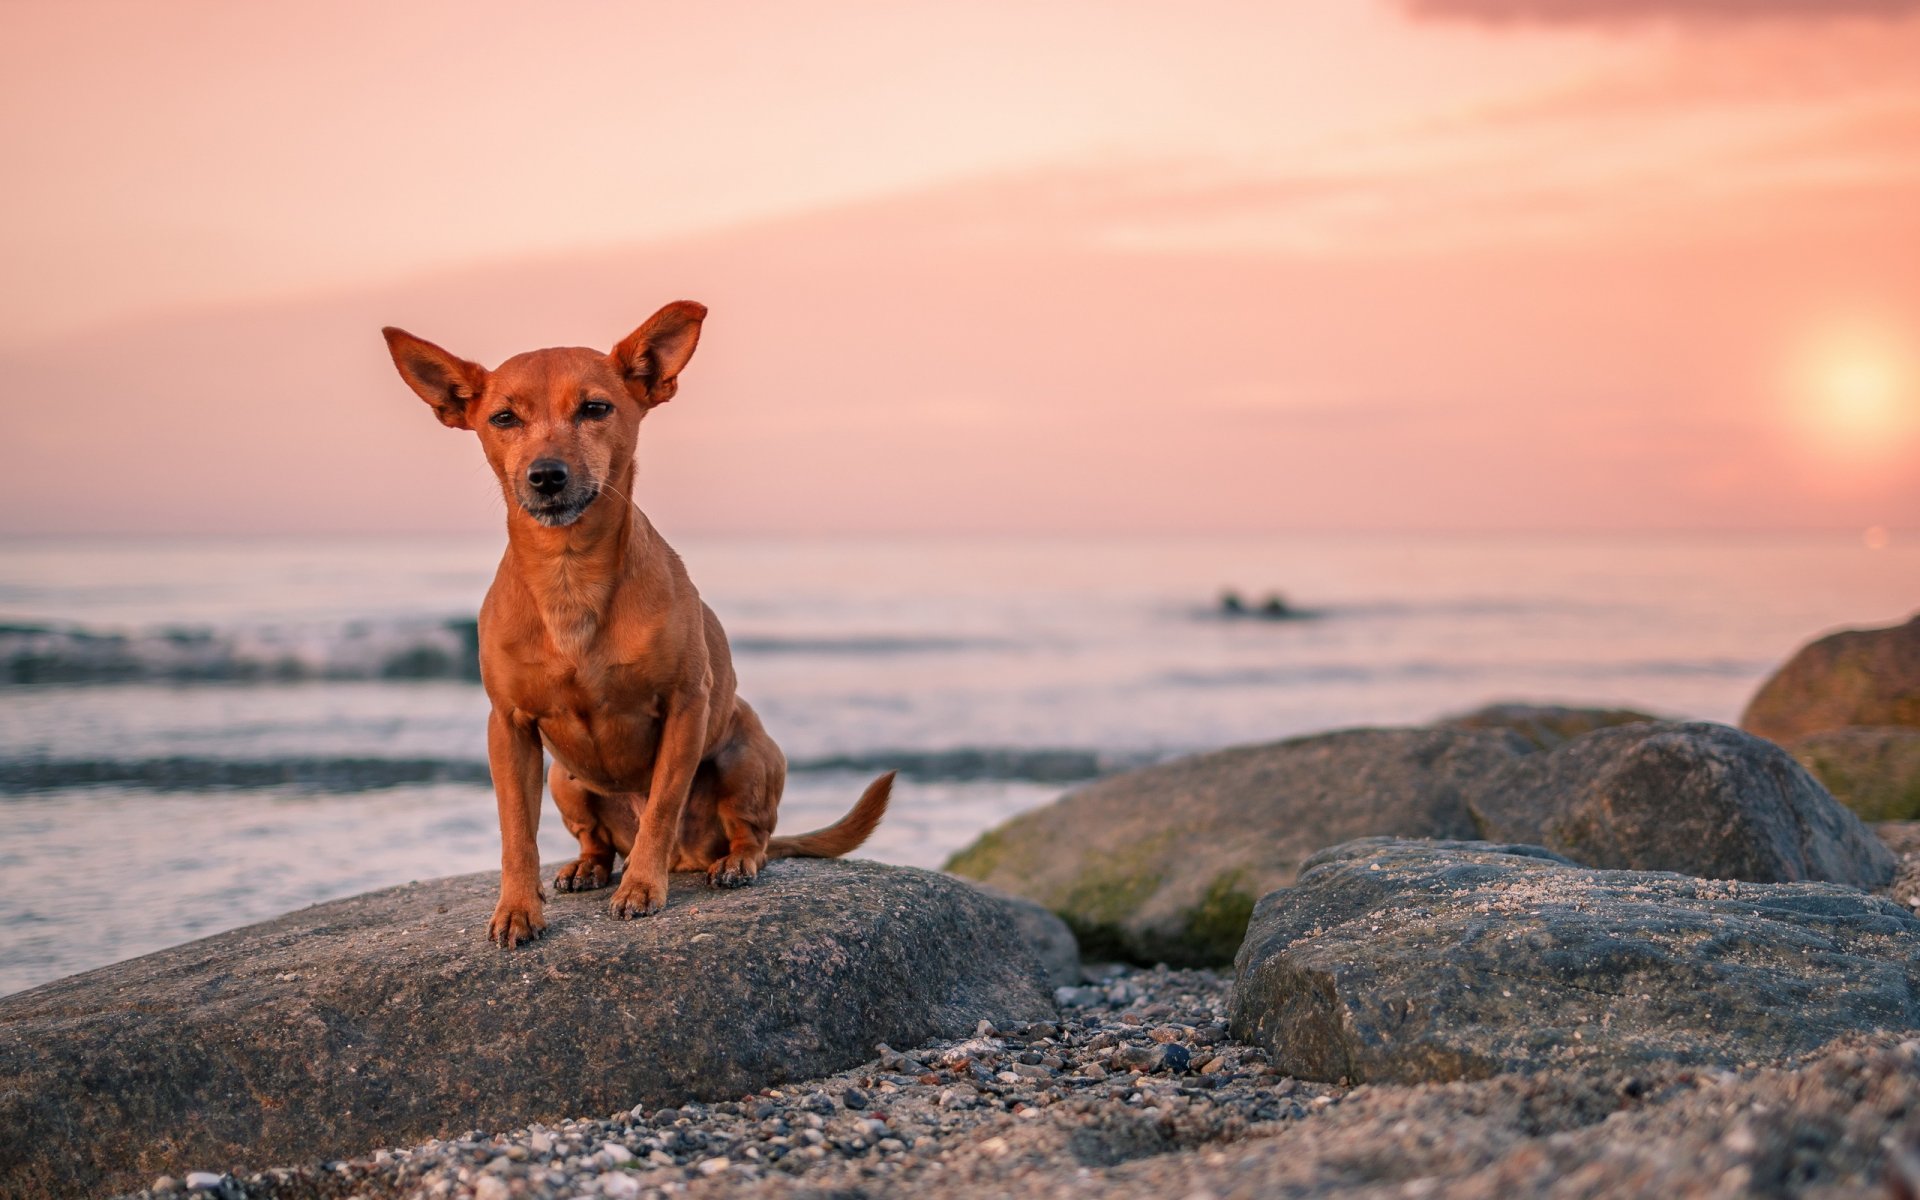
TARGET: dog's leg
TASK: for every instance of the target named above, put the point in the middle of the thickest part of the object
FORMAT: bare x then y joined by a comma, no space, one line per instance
643,889
513,755
752,777
579,808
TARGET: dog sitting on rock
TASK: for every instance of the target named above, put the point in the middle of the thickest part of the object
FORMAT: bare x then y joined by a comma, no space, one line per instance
595,645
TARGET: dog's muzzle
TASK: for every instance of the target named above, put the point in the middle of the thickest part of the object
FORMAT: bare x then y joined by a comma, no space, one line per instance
553,495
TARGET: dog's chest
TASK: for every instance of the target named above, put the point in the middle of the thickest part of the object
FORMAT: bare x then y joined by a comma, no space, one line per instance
604,730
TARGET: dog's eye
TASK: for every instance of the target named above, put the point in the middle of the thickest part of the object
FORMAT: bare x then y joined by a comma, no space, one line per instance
593,410
504,419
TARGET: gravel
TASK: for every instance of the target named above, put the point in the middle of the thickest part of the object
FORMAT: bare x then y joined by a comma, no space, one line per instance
1137,1091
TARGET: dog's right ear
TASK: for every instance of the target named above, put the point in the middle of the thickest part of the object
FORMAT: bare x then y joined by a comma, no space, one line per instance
447,382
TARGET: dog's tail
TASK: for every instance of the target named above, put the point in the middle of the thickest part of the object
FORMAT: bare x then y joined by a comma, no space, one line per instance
843,836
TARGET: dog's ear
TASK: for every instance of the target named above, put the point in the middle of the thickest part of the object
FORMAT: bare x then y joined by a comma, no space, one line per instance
447,382
651,357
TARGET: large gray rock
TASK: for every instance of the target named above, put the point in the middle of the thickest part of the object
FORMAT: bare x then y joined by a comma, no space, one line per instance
1398,961
1051,941
1854,677
1164,864
1696,798
388,1018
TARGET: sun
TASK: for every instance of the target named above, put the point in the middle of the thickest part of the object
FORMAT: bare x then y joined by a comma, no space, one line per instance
1856,390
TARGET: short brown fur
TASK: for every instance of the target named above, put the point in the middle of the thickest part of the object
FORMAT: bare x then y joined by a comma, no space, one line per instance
595,645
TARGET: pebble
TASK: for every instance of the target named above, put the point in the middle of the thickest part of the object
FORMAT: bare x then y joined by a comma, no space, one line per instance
204,1181
619,1186
615,1155
490,1187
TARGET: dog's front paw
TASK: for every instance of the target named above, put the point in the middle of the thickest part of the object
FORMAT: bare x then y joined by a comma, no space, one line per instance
637,896
515,921
735,870
584,874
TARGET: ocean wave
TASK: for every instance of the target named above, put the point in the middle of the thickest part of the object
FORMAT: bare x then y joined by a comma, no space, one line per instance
413,648
1372,673
355,650
858,644
186,773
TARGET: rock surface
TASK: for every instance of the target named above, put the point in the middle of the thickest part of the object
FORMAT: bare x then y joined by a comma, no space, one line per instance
1873,770
1696,798
1405,962
388,1018
1164,864
1546,725
1855,677
1046,934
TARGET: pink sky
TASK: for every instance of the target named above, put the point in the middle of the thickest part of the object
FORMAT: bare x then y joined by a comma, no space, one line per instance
1471,264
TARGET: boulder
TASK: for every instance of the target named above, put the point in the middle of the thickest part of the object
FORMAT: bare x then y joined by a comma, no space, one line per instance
1696,798
1049,937
1874,770
1405,962
1164,864
1855,677
388,1018
1545,726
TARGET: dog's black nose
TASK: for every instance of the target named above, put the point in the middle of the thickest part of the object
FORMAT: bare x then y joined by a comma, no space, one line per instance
547,476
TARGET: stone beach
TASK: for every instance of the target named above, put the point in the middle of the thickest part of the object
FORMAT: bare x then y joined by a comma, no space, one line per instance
1092,1104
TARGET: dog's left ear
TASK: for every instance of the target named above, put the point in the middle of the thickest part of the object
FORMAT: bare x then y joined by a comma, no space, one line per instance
651,357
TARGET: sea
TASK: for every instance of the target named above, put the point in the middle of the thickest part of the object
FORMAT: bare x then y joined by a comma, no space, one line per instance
196,734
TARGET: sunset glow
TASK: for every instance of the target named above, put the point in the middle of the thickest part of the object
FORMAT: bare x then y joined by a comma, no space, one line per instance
1368,264
1856,393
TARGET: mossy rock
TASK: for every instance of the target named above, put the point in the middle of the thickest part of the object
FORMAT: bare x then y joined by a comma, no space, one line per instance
1875,771
1857,677
1547,725
1164,864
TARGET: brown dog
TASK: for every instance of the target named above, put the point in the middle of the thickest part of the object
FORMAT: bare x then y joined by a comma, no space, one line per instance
594,643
